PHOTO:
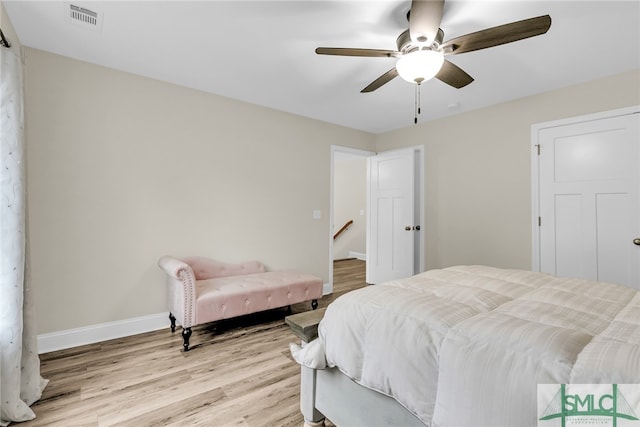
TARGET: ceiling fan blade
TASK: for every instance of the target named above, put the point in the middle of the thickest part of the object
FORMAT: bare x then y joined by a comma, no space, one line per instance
499,35
382,80
424,20
453,75
345,51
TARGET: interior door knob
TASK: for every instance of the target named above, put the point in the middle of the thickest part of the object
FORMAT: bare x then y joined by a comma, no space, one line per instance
636,241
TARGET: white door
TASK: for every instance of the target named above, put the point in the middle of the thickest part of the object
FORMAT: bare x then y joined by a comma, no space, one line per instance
392,225
589,186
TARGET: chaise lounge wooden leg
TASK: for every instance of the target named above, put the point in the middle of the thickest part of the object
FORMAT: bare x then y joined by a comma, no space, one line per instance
173,322
314,304
186,334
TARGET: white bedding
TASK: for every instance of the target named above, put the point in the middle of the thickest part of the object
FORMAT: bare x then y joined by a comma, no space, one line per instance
467,346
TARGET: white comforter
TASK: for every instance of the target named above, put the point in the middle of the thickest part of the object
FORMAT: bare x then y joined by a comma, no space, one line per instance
467,346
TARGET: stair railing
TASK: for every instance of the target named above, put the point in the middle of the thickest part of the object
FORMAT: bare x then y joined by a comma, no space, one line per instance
343,229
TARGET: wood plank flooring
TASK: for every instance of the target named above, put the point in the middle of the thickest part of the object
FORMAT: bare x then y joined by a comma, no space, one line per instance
237,373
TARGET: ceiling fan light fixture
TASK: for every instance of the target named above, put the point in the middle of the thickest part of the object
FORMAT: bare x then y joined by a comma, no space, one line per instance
420,65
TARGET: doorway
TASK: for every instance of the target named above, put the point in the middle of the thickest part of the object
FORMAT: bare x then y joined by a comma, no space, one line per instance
362,213
347,204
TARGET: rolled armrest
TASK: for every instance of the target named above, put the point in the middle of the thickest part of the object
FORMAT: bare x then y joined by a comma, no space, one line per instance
172,266
181,289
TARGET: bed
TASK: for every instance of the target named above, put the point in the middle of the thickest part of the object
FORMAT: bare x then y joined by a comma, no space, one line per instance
465,346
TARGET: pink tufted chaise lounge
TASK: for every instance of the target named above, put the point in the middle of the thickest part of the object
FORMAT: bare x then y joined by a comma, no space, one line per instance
201,290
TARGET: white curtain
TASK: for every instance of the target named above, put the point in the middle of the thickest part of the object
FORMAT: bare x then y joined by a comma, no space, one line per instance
20,381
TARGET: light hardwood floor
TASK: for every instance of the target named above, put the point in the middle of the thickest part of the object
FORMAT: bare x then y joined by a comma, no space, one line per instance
237,373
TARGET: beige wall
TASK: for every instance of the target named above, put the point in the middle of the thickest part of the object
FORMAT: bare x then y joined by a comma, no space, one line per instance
349,199
478,171
123,169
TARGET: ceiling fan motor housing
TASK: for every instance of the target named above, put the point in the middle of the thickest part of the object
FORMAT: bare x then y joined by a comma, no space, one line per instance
404,42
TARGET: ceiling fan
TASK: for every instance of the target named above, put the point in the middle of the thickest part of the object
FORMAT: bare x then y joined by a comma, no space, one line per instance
421,50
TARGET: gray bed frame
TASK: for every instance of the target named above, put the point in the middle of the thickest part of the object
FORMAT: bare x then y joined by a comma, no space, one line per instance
331,394
328,393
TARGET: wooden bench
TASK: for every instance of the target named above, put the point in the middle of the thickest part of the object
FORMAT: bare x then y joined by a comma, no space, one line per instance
305,325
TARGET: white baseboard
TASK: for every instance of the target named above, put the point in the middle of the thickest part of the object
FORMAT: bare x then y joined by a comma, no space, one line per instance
111,330
102,332
358,255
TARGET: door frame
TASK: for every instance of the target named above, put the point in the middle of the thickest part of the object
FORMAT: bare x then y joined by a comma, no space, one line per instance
535,171
419,203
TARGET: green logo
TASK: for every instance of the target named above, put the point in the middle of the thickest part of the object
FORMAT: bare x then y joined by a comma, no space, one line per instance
587,404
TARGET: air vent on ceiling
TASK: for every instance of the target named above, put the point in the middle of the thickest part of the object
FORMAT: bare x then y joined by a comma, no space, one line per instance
84,17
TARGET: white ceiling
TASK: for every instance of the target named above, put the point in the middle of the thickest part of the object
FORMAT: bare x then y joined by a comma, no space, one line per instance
262,52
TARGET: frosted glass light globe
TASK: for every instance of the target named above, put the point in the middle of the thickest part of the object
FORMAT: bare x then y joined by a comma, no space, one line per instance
419,65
